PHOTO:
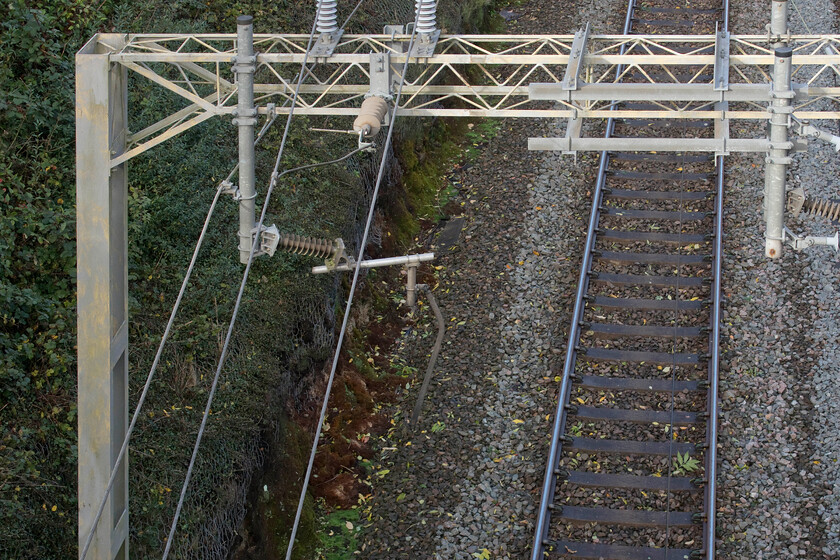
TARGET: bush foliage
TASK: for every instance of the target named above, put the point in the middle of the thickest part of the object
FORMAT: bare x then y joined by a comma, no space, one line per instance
170,189
37,274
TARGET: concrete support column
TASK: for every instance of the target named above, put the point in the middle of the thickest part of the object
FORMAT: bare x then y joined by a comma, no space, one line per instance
246,120
102,272
778,158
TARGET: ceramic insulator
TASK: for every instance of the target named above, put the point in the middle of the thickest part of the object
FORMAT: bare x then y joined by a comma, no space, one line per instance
310,246
327,19
371,114
427,21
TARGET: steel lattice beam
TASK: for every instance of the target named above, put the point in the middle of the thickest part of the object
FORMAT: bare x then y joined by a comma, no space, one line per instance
484,76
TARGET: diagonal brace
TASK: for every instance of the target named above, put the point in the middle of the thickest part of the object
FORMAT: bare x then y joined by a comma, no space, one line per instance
573,68
163,82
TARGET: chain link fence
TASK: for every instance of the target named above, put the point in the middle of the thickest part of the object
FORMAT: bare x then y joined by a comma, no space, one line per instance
286,334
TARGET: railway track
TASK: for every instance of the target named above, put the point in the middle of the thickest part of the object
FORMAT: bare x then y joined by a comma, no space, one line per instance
631,470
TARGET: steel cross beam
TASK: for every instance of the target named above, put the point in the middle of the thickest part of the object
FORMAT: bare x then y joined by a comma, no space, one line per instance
720,77
479,75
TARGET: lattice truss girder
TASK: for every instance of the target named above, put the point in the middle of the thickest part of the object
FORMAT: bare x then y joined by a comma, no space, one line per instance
477,76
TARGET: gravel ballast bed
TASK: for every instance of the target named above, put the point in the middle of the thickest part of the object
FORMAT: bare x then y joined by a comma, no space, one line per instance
779,437
506,292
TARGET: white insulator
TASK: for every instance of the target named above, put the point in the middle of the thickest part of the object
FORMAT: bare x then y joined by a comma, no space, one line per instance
371,114
427,20
327,19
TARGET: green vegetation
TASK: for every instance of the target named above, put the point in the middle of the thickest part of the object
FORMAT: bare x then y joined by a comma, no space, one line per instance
286,327
339,534
37,271
685,464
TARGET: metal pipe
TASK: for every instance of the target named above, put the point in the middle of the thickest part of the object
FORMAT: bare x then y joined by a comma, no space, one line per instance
411,285
245,121
778,23
376,263
651,144
725,15
778,159
559,426
424,389
648,92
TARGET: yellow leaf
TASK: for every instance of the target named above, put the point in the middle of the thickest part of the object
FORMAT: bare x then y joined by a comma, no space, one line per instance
518,421
581,401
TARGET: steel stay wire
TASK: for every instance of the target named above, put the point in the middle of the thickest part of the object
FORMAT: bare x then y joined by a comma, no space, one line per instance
274,177
233,319
355,281
346,21
167,331
273,182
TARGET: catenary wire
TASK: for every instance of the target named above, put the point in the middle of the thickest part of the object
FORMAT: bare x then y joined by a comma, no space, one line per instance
274,177
356,271
805,23
167,331
346,21
233,321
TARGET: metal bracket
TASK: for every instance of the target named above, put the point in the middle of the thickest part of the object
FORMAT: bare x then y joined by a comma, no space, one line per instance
795,201
722,127
325,45
800,243
781,94
785,160
244,117
393,44
573,129
231,189
244,64
573,68
722,61
804,128
774,39
339,257
424,45
269,239
383,79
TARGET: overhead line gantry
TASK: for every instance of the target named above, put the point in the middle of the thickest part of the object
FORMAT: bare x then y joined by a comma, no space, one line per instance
777,78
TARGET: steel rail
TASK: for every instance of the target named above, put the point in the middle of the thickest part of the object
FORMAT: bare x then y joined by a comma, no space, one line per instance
559,426
714,361
714,371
